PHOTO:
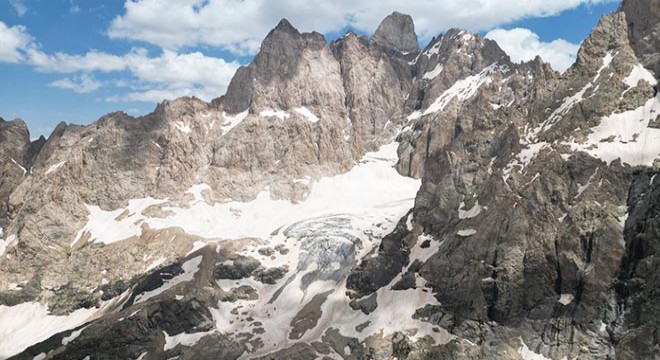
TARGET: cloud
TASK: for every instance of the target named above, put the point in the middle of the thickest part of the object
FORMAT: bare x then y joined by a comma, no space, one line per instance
82,84
65,63
152,78
240,25
158,95
523,45
168,75
171,75
13,41
19,7
181,70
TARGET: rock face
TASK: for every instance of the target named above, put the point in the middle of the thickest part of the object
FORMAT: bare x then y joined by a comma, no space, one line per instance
637,287
16,156
397,31
354,199
644,30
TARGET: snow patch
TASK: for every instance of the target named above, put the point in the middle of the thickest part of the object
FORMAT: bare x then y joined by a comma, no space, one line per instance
109,226
623,209
196,191
190,268
196,246
462,90
466,232
423,254
637,74
183,127
183,339
571,101
523,158
230,121
409,222
430,75
471,213
74,335
275,113
5,244
156,263
625,136
307,114
434,50
566,299
20,166
527,354
26,324
54,168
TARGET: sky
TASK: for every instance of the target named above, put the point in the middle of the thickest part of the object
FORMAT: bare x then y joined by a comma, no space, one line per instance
76,60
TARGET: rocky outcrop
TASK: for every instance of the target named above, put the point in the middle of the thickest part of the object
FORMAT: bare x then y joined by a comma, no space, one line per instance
16,155
397,31
525,243
457,62
637,286
643,19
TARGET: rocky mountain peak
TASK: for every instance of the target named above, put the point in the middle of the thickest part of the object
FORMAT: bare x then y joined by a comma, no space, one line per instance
278,60
448,58
285,26
397,31
643,18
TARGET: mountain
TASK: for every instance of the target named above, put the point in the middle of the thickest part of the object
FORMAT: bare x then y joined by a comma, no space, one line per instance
357,199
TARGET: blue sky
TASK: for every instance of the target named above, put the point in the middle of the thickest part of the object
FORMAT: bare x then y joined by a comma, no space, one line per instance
75,60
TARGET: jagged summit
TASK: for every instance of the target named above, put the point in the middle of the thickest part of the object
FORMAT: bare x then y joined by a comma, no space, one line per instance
397,31
284,26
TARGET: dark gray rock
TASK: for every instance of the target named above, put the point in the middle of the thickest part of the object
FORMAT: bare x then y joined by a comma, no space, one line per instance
655,124
643,17
639,281
271,275
240,268
397,31
376,272
130,335
367,305
406,282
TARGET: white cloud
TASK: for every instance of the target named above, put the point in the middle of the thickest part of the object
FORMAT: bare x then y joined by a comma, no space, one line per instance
152,78
13,40
524,45
66,63
158,95
82,84
168,75
19,7
240,25
182,70
171,75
